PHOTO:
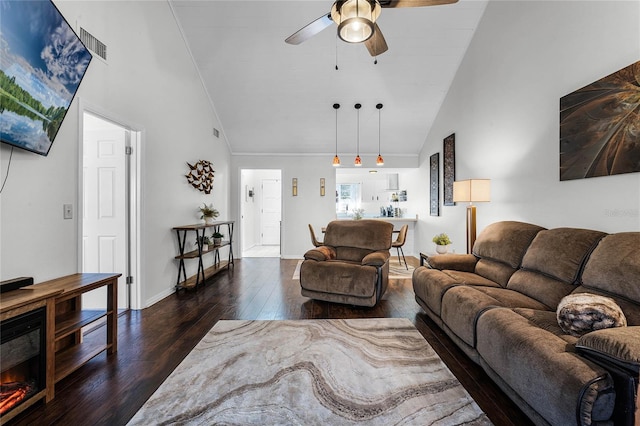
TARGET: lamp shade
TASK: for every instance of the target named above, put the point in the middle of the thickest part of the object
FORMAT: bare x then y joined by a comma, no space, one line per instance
472,190
355,19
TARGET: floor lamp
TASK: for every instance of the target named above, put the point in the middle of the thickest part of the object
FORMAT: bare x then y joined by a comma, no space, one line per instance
471,191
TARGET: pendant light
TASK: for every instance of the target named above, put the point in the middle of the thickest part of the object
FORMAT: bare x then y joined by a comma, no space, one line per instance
379,160
358,162
336,159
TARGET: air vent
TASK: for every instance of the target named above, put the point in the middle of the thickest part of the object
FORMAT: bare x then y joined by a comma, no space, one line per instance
216,133
93,44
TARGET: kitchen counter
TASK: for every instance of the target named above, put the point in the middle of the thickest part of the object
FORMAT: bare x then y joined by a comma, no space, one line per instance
388,219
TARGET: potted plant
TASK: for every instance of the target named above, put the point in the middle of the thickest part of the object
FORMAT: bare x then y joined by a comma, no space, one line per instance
217,238
358,214
208,213
203,242
442,243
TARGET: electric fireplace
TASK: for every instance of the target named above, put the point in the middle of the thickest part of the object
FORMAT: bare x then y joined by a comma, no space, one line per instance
23,355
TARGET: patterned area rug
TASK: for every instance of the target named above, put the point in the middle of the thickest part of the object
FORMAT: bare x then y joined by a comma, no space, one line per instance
396,270
312,372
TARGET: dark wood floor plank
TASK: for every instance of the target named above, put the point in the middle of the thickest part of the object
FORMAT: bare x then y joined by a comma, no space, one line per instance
151,343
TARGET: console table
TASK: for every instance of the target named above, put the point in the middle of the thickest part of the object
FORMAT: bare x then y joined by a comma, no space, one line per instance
202,273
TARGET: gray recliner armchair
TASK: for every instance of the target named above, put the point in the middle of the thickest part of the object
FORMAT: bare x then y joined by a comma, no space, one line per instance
352,267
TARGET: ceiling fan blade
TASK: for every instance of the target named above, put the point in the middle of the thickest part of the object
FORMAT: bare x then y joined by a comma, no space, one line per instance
310,30
414,3
376,44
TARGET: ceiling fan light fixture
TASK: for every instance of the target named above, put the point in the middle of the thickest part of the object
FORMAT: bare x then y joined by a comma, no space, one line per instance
355,19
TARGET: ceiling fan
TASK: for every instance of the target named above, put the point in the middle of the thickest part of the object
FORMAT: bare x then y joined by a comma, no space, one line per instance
356,20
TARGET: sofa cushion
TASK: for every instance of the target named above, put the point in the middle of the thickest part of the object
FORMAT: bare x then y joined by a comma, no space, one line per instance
430,285
366,234
339,277
462,305
505,242
581,313
544,289
536,364
614,266
560,252
548,321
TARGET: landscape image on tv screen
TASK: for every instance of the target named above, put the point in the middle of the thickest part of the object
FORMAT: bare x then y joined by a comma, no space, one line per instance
42,62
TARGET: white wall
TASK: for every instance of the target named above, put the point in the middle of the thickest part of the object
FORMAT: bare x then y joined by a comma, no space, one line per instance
503,108
308,207
149,80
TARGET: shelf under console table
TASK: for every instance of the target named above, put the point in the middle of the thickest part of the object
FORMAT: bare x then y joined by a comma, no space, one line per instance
201,250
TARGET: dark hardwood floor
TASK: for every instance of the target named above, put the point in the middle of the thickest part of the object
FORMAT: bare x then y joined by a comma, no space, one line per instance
151,343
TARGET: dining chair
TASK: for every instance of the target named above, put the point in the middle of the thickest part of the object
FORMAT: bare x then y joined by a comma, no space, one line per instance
399,242
314,241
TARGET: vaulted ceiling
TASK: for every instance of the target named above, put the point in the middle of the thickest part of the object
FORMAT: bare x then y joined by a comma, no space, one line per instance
273,97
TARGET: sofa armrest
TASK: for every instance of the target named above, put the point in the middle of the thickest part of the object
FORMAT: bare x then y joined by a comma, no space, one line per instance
377,258
321,253
456,262
619,345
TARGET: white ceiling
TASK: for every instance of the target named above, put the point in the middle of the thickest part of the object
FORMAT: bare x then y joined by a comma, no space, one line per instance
272,97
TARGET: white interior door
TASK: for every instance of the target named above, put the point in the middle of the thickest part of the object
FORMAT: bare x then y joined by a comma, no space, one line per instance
105,235
271,211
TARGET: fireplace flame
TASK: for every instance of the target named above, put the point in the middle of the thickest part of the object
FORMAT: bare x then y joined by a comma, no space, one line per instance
12,393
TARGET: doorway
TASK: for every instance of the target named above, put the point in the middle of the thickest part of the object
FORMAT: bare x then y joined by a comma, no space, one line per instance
107,183
260,212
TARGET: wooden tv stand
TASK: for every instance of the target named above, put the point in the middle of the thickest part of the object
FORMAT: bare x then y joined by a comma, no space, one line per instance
67,345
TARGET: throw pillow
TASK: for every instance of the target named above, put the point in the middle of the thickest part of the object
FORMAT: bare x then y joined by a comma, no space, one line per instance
582,313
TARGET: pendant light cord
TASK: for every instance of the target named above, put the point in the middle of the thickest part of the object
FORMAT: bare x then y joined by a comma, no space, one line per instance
379,131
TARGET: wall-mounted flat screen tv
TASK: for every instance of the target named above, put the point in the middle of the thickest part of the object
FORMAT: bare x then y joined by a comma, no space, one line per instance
42,62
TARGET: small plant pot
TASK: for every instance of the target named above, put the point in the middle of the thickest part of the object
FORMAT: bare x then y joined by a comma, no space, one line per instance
442,249
205,247
217,241
208,220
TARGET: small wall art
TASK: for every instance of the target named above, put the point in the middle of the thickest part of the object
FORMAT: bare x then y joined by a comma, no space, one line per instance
449,168
200,176
294,187
434,184
599,131
322,188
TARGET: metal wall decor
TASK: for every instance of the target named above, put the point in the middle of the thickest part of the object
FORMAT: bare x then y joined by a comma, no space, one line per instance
294,187
449,168
200,176
322,192
599,131
434,184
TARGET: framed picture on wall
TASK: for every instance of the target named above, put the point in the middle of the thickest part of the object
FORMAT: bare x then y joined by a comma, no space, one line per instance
449,171
434,184
599,127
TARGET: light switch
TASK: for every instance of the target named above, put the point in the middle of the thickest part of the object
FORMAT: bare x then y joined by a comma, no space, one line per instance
68,211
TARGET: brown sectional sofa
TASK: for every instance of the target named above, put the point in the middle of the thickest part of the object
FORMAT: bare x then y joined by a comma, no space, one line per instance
499,306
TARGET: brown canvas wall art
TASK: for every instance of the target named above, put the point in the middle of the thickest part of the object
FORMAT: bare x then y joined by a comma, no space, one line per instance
600,127
449,170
